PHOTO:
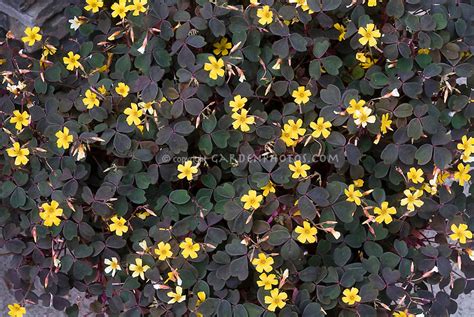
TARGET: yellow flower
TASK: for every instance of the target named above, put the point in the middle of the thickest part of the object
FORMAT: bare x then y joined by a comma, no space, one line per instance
102,90
119,9
51,214
372,3
369,35
147,107
286,137
298,169
415,175
133,114
112,266
276,299
301,95
412,200
267,189
355,106
163,251
353,195
90,99
466,145
385,123
460,233
267,281
16,310
72,61
214,67
402,314
64,138
177,296
20,119
307,233
362,117
20,154
359,183
189,248
263,263
350,296
187,170
295,128
222,47
384,213
32,35
423,51
137,7
238,103
366,61
201,298
342,31
122,89
462,174
49,49
321,127
242,121
265,15
118,225
94,5
251,200
138,268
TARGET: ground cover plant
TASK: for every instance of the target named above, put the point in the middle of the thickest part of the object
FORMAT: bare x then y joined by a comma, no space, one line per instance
263,158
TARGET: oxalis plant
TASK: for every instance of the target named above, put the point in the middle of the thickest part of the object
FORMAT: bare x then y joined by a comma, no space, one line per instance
264,158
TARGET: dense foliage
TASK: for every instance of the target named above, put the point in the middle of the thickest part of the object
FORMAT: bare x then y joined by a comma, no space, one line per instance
213,158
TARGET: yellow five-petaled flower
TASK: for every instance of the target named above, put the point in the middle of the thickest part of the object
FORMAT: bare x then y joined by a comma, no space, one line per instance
119,9
122,89
93,5
20,119
351,296
460,233
265,15
384,213
90,100
369,35
176,296
133,114
462,174
251,200
267,281
118,225
242,120
32,35
64,139
51,213
412,199
16,310
189,248
72,61
215,67
163,251
138,268
263,263
276,299
137,7
353,195
321,127
222,47
187,170
301,95
299,169
20,154
307,233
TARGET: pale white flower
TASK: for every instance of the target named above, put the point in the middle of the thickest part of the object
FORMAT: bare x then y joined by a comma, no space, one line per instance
112,266
75,23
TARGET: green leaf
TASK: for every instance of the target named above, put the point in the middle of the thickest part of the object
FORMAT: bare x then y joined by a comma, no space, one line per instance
179,196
